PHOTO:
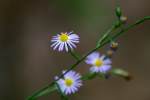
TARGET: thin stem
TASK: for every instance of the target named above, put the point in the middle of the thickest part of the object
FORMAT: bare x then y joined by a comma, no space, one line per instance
128,28
106,34
43,91
78,62
73,54
131,26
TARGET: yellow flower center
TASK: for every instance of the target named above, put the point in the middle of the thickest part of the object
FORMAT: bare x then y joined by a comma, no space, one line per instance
63,37
98,62
68,82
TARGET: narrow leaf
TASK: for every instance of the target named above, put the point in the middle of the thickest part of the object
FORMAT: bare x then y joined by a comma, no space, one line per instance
46,90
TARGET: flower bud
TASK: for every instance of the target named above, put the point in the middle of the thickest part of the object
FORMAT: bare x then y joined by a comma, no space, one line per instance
123,19
122,73
110,53
118,12
114,46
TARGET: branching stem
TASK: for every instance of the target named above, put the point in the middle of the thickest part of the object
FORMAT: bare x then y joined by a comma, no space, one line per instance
103,41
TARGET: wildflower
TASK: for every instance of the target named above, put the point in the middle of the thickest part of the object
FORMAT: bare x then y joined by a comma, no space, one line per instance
65,41
70,83
99,63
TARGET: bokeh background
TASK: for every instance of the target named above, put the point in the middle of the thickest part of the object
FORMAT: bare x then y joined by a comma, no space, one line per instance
27,63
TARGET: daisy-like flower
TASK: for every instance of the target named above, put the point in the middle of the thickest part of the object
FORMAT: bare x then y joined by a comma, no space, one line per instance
64,40
99,63
70,83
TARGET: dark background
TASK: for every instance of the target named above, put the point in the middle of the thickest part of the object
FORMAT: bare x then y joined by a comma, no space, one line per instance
27,63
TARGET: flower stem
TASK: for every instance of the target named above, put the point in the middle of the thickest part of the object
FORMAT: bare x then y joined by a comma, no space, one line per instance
107,33
131,26
75,55
46,90
128,28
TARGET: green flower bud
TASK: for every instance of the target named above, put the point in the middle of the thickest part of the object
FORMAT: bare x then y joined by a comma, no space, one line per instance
118,12
122,73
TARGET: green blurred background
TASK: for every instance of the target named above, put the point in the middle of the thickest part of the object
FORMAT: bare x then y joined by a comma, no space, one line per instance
27,63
